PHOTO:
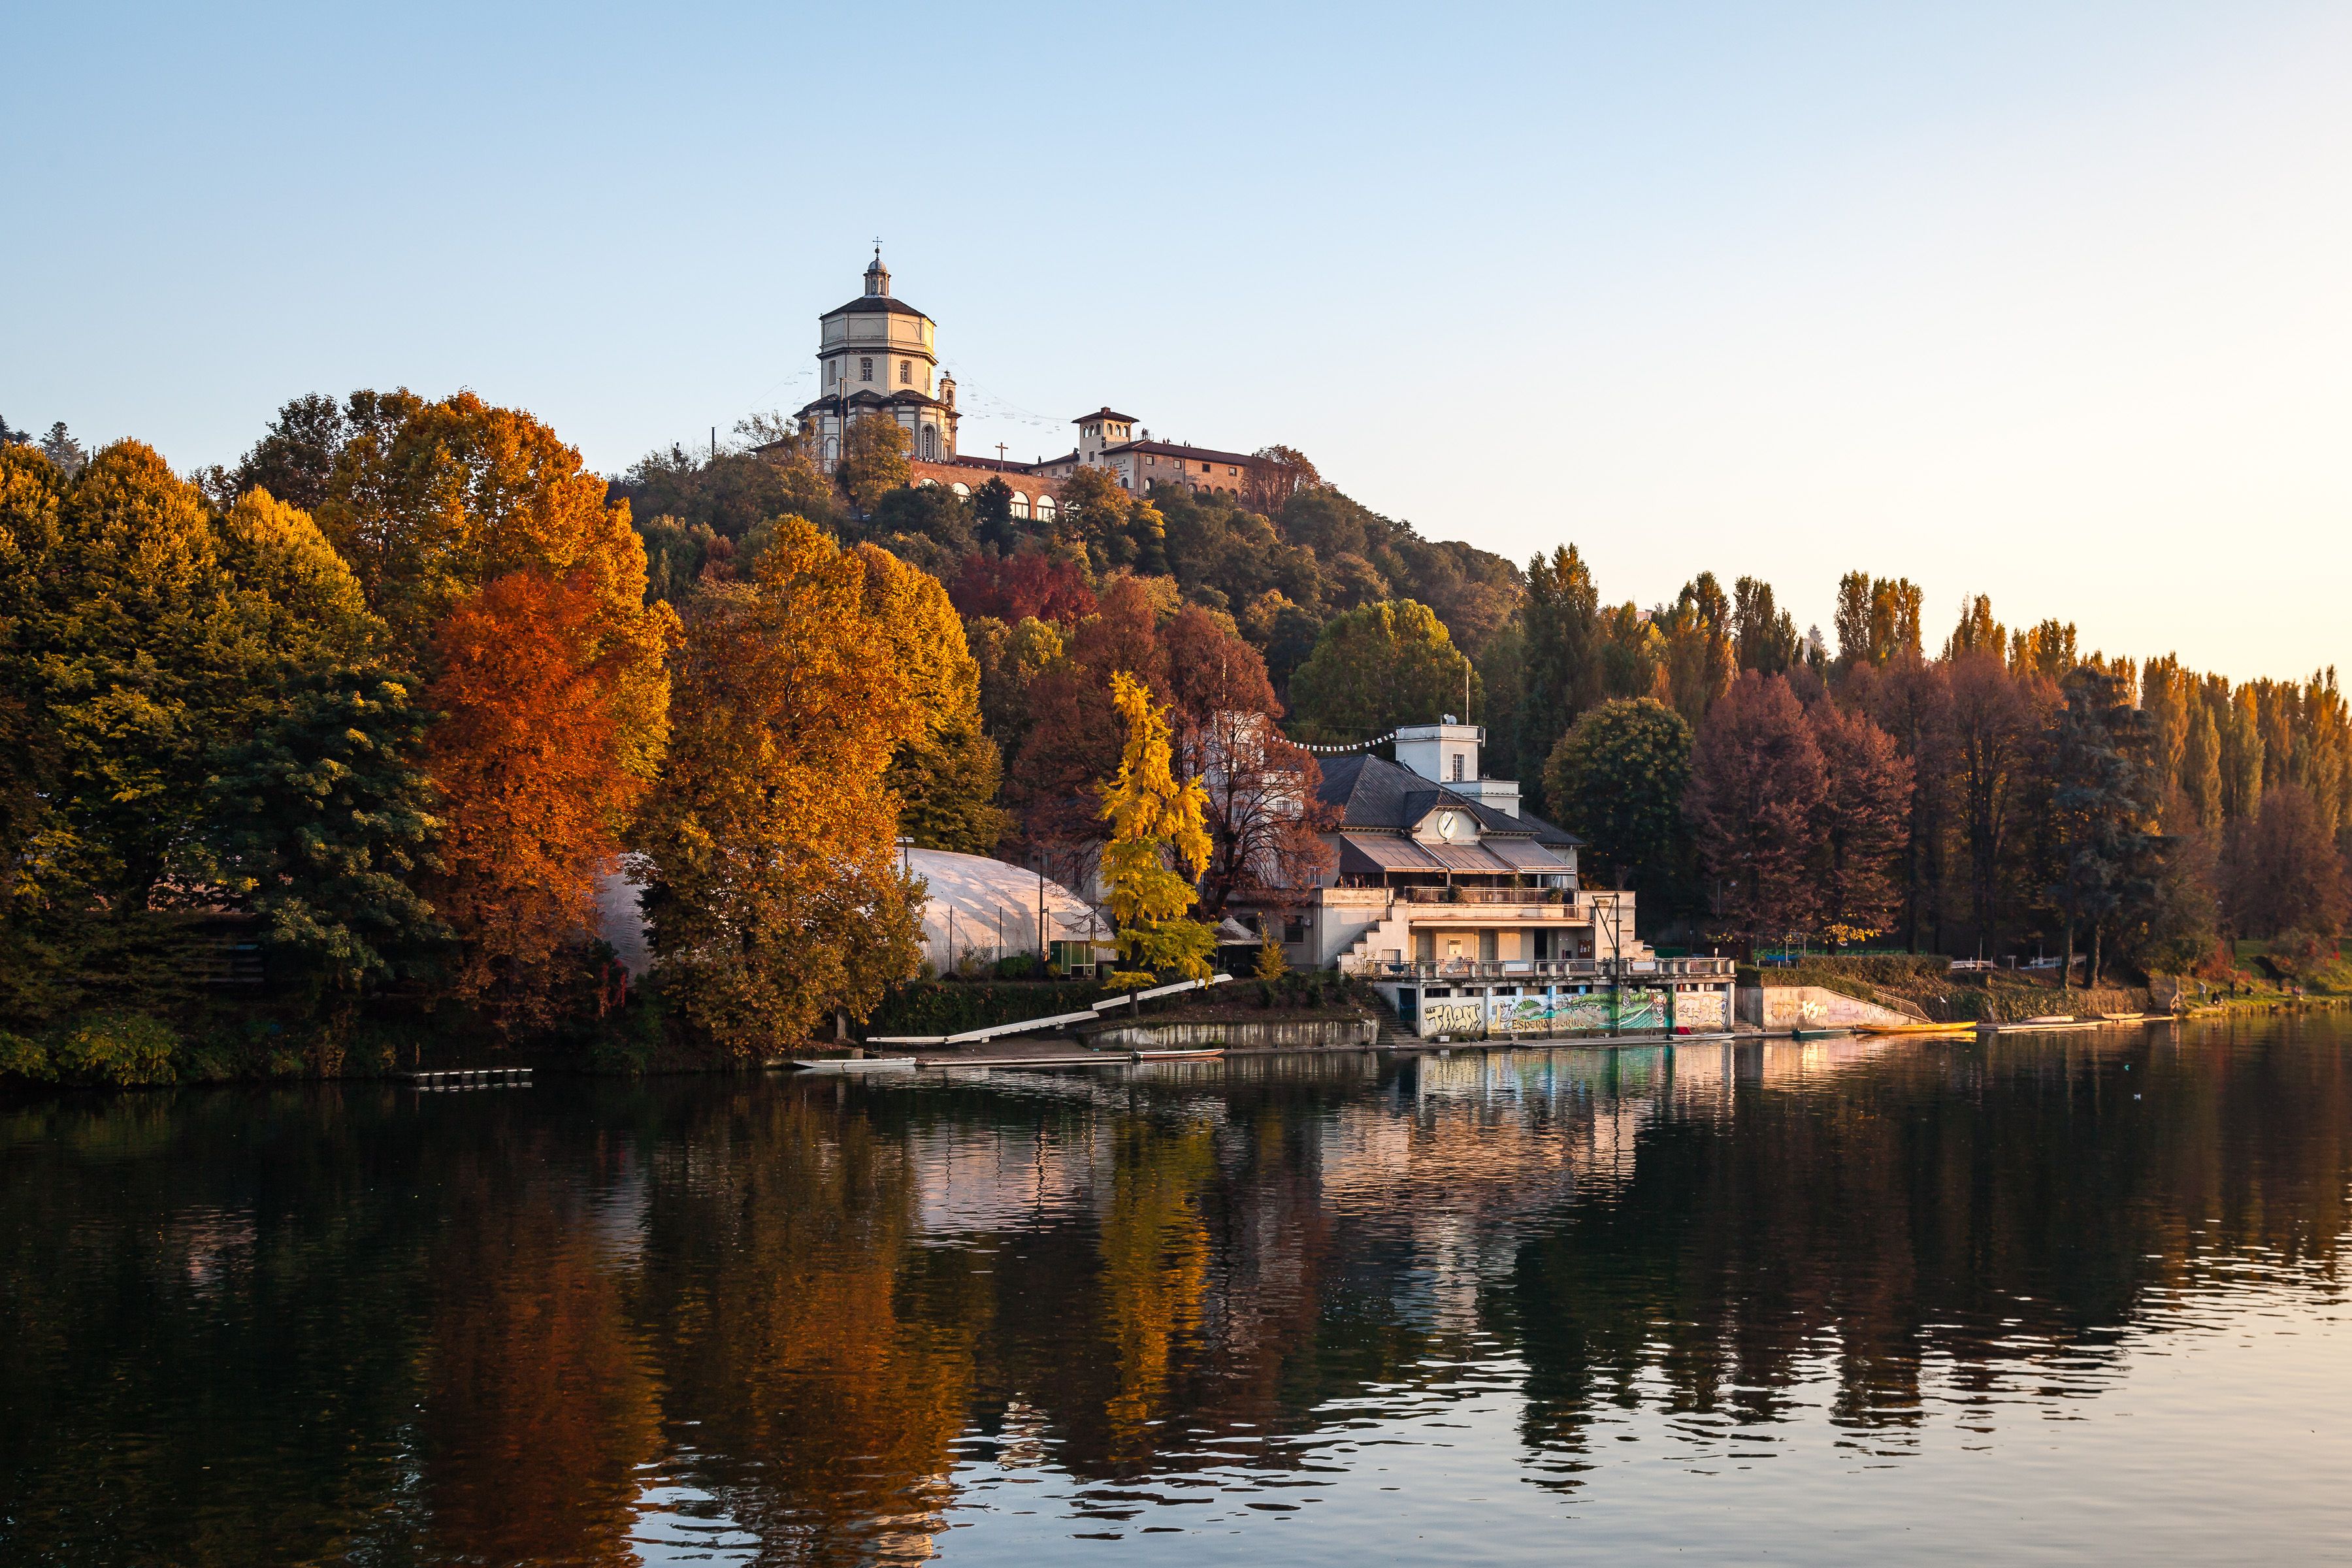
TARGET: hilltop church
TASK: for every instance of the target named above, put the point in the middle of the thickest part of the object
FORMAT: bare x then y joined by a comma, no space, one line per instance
877,358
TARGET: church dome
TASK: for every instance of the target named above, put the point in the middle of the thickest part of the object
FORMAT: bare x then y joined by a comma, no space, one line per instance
876,297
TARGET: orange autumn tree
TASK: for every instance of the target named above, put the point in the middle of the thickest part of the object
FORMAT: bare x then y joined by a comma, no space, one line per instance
505,573
532,761
777,897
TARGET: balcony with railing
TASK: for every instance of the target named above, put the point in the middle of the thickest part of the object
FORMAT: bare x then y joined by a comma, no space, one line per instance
1586,971
1557,898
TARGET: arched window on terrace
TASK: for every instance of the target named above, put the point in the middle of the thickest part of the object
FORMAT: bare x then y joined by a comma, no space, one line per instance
1020,504
1046,509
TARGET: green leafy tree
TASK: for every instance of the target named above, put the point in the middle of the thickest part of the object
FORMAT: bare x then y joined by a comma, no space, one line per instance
1154,821
1617,780
320,822
1763,635
295,458
1697,652
1093,512
1378,667
135,668
1877,618
929,526
873,460
1563,673
729,492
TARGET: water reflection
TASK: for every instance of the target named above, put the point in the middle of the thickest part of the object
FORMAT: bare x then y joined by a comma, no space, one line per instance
1008,1314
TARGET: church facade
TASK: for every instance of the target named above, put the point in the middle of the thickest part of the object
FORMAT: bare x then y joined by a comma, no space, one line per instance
877,358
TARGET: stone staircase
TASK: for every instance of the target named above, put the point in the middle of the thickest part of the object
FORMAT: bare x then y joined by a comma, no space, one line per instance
1389,1031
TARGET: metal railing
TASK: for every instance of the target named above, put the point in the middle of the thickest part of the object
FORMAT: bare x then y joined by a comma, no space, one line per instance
1583,969
1487,896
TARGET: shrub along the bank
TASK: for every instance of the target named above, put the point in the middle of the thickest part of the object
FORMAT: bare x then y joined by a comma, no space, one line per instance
951,1006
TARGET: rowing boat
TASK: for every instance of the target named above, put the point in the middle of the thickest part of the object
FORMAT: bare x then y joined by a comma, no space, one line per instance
1210,1055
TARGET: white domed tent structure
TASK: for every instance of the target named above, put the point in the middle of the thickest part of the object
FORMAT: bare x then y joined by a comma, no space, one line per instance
979,911
976,910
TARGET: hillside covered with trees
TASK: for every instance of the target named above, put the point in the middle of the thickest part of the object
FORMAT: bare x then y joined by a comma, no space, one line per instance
337,743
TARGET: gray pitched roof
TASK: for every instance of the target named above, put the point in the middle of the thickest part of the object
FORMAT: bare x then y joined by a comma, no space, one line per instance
866,304
1375,793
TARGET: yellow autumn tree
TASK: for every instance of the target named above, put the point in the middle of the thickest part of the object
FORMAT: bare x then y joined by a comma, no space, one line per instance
946,777
776,896
1154,821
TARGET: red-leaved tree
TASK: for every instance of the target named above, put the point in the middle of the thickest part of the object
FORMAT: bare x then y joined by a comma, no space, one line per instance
1862,823
1264,822
1754,801
1011,586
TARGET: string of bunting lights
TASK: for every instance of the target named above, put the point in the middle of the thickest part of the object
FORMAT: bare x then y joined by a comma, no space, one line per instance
1336,750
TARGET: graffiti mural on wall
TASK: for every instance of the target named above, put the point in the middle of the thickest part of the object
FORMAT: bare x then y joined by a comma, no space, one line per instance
1465,1019
1635,1010
1705,1010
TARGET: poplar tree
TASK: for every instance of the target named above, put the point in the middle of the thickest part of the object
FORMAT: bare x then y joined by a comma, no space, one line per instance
1562,671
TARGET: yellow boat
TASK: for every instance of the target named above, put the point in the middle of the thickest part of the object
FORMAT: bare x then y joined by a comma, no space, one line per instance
1968,1028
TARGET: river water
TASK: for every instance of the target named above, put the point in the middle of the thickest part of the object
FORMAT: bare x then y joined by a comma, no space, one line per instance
2069,1299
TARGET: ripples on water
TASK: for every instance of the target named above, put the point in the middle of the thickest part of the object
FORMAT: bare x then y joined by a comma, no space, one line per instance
2077,1299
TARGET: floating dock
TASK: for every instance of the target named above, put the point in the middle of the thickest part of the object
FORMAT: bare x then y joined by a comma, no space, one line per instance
471,1077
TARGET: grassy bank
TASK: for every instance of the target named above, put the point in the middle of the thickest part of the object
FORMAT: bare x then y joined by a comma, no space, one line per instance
1927,984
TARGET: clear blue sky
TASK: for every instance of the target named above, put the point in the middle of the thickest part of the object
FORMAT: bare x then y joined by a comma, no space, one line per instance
2050,302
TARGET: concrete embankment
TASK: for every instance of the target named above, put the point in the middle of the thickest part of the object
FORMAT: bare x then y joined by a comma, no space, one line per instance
1779,1009
1283,1035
